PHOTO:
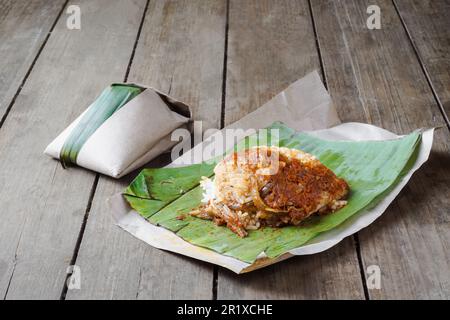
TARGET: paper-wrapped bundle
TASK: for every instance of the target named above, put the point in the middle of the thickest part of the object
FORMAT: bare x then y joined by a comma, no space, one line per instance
124,128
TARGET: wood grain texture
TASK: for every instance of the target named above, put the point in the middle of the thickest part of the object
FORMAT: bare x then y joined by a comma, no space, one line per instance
43,205
270,46
374,76
428,24
24,26
180,51
332,274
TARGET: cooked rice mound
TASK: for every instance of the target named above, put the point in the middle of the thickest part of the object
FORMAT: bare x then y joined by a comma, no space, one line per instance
270,186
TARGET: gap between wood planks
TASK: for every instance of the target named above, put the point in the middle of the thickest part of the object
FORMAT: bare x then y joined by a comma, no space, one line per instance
22,83
422,65
324,78
19,89
97,176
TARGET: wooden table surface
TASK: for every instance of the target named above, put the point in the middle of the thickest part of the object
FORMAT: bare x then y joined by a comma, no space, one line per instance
224,58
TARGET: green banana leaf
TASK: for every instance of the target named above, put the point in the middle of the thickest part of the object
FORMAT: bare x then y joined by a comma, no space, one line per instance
371,168
110,100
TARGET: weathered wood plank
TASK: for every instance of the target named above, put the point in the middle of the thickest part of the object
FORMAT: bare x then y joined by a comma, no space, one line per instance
24,26
270,46
428,25
184,44
374,76
180,51
43,205
332,274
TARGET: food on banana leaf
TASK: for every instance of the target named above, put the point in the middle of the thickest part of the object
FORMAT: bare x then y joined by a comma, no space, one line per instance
269,186
166,196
